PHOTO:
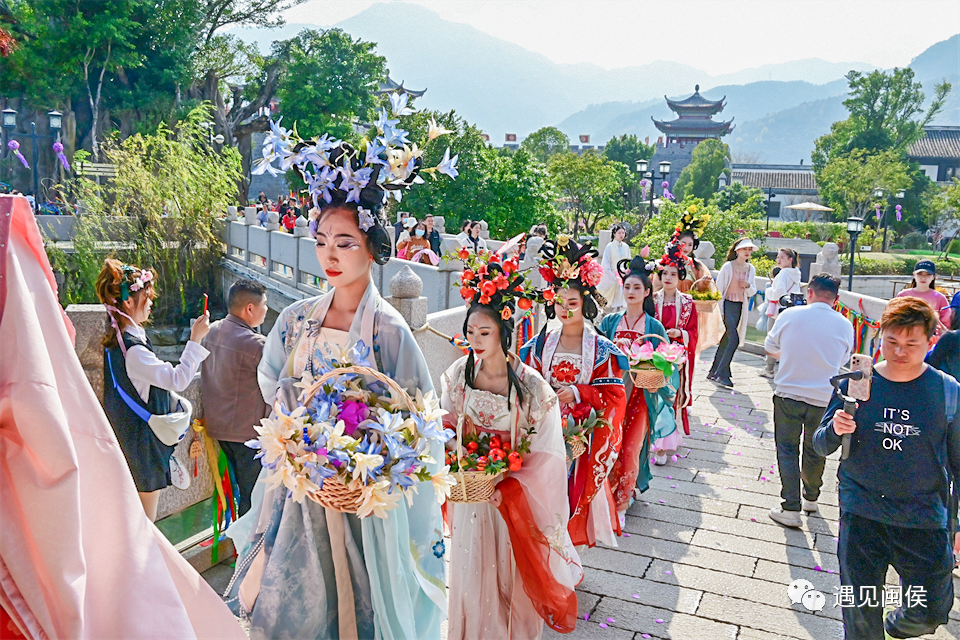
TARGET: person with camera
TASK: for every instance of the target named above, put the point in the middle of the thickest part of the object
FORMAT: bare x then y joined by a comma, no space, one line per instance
896,506
812,342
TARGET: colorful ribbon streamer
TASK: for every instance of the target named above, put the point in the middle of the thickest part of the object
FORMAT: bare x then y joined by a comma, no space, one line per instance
525,330
865,331
225,505
460,343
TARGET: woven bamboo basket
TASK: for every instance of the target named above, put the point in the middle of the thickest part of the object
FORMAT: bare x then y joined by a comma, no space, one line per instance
577,449
335,494
705,306
646,376
473,486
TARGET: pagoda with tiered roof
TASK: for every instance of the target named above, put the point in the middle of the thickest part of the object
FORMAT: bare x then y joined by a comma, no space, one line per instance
694,121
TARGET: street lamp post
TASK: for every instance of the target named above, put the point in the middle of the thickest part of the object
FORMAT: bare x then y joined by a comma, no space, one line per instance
901,194
854,227
770,196
642,166
9,122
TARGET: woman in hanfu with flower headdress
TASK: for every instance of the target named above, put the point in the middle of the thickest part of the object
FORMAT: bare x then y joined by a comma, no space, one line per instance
304,570
678,314
647,411
697,276
586,370
512,565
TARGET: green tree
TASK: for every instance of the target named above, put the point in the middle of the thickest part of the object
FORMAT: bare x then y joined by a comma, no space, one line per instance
458,199
848,182
724,227
886,112
589,186
518,195
700,178
175,187
628,149
545,143
750,198
329,83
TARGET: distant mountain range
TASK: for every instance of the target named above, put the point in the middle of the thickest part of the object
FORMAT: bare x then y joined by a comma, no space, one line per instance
778,109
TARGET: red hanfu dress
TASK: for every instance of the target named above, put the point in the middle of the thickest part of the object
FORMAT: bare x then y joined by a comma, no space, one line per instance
596,373
687,322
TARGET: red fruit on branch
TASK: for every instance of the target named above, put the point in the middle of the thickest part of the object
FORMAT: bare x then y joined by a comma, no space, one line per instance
524,303
464,253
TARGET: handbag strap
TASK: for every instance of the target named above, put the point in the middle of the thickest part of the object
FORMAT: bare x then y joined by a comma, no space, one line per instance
135,406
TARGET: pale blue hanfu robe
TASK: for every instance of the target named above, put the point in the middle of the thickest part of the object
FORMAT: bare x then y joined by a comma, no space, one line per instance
395,575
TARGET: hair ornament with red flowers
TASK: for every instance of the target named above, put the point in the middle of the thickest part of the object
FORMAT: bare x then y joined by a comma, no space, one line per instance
491,279
567,264
674,258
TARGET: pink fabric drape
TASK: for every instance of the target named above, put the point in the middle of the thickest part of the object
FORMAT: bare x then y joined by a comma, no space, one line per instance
78,556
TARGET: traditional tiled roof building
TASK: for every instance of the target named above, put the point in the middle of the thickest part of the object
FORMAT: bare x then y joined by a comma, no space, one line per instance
694,121
938,153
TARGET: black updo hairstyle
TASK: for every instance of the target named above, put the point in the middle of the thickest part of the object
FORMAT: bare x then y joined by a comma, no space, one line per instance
592,300
494,310
674,257
371,198
636,267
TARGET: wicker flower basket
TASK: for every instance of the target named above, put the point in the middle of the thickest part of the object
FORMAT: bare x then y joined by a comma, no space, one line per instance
705,306
645,375
473,486
335,494
577,449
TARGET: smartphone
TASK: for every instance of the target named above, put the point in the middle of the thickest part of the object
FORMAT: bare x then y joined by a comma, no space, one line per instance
205,299
860,389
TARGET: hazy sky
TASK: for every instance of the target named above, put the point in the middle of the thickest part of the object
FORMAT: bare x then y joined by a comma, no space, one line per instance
717,36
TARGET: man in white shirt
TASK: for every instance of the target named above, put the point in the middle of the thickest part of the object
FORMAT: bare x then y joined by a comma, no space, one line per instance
812,342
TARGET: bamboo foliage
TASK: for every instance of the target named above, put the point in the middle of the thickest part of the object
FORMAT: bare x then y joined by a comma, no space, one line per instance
172,189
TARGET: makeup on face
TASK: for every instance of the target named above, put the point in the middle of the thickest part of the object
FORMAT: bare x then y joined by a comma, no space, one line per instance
341,248
633,290
570,305
669,277
483,334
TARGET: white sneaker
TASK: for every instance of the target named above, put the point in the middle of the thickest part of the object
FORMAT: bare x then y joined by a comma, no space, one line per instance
810,506
660,459
766,373
786,518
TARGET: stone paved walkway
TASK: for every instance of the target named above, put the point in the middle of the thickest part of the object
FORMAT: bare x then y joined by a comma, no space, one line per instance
700,558
703,560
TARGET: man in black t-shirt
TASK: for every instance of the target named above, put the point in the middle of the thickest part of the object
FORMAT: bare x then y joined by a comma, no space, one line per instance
896,505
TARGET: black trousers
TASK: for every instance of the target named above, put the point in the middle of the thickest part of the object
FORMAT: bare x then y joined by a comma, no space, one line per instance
245,469
792,421
922,557
730,341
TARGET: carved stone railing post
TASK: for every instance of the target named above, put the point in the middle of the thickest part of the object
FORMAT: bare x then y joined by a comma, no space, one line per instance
405,289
